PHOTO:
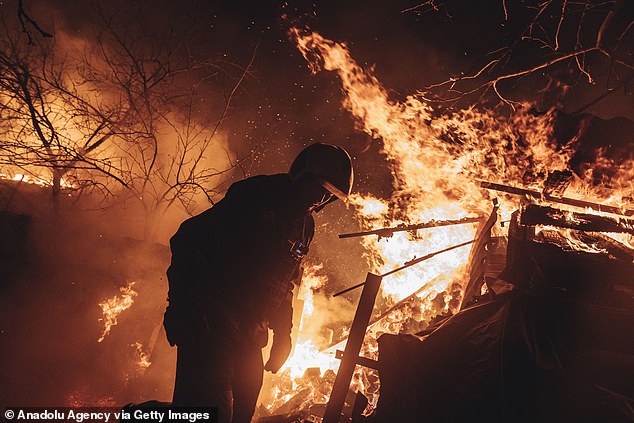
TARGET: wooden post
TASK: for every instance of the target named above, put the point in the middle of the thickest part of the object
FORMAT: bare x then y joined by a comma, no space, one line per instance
353,347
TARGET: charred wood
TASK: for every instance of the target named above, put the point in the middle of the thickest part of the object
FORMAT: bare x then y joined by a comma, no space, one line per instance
542,215
554,199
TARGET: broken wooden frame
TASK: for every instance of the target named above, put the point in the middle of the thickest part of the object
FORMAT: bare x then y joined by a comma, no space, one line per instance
410,263
350,356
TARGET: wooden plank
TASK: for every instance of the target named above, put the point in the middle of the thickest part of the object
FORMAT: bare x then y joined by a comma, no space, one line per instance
541,215
361,361
353,347
562,200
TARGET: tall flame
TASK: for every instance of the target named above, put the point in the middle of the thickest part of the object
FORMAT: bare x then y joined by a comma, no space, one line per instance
437,160
305,353
308,368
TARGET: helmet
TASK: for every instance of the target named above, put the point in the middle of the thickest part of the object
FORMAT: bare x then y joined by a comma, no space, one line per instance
330,164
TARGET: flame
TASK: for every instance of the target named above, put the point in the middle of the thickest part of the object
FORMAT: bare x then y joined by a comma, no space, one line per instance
37,180
142,357
112,307
311,281
309,371
306,354
437,160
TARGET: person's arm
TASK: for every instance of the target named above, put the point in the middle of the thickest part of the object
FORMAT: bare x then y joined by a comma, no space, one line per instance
281,322
183,319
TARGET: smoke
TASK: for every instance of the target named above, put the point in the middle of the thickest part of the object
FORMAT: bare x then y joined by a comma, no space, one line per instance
51,317
102,237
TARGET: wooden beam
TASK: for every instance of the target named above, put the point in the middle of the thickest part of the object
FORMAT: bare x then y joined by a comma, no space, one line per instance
353,347
542,215
388,232
361,361
553,199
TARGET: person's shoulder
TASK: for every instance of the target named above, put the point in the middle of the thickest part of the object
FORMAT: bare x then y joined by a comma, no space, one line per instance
194,223
262,186
262,181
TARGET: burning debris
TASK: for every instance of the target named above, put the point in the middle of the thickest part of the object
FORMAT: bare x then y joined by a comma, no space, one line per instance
528,351
439,160
306,377
85,398
34,180
113,307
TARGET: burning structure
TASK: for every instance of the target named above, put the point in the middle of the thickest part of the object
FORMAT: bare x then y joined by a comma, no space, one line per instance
547,346
548,278
534,272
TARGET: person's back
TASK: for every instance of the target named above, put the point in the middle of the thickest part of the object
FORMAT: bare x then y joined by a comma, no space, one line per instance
232,264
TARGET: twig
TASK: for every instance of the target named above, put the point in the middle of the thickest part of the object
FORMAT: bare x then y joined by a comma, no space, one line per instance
26,19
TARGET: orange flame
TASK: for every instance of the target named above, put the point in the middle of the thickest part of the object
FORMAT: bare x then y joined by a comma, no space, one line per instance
36,180
142,357
437,160
113,307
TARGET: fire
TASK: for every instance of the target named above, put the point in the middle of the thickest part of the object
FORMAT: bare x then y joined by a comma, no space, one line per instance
306,356
36,180
142,357
308,370
113,307
84,397
570,238
311,281
438,160
306,353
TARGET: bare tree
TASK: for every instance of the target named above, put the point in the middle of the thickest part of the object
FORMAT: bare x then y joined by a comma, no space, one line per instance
564,39
170,143
133,115
48,125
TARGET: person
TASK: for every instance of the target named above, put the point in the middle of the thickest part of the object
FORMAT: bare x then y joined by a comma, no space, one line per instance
231,278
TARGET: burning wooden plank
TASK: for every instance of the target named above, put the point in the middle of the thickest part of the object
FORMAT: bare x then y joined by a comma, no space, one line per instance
561,200
541,215
388,232
353,347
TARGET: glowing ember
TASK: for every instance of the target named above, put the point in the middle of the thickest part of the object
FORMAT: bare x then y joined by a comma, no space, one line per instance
83,397
114,306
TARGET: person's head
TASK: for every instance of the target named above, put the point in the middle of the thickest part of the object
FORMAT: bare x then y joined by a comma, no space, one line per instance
322,173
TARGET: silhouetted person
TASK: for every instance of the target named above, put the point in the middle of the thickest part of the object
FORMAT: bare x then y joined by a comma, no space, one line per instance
231,279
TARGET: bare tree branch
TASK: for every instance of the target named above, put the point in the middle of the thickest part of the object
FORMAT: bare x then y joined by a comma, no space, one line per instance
25,19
